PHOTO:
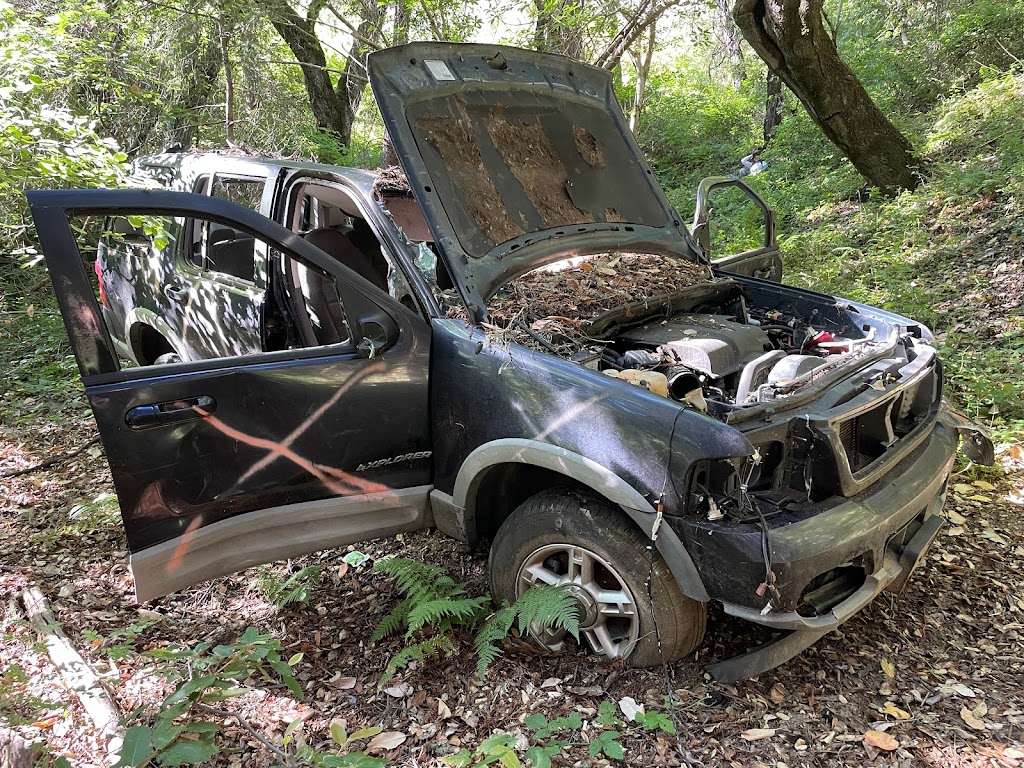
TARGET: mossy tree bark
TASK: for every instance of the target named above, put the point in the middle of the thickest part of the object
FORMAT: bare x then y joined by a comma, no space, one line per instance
790,36
334,105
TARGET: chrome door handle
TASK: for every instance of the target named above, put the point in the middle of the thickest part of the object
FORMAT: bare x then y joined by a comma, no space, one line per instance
173,412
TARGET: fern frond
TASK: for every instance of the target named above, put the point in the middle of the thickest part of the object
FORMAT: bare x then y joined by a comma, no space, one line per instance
294,589
417,580
400,661
486,642
393,622
457,611
547,606
423,651
540,607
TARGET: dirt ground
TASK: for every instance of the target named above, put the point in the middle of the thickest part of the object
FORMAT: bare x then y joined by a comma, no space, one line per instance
940,668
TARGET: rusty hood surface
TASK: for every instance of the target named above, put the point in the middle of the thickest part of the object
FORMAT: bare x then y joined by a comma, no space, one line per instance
508,151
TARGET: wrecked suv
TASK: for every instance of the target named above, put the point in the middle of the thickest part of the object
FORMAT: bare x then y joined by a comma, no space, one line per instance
516,340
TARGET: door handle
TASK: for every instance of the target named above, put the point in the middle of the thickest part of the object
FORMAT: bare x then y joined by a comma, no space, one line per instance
175,292
172,412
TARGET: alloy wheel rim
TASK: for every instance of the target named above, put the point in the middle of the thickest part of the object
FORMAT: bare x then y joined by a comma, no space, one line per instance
606,607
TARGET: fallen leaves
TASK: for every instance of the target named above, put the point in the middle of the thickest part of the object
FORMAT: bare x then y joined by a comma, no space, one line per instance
972,720
560,302
881,740
889,668
995,537
399,691
892,710
756,734
385,741
959,689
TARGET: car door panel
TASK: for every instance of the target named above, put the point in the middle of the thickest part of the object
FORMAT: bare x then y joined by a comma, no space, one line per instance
764,261
249,445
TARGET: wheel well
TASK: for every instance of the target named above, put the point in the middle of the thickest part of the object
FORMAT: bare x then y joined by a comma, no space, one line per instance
506,486
148,343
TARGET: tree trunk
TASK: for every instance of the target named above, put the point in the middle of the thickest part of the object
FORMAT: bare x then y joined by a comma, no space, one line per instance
729,38
330,110
643,71
772,106
15,752
229,82
648,14
552,30
200,69
789,35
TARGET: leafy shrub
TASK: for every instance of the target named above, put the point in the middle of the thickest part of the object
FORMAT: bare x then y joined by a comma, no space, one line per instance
695,127
212,674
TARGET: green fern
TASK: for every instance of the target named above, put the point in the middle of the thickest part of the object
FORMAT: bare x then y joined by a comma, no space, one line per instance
294,589
541,607
463,611
434,603
418,581
392,623
426,650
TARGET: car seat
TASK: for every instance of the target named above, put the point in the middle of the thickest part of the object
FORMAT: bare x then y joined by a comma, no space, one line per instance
320,292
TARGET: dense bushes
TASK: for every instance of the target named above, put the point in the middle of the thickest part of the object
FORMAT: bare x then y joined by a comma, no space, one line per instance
44,142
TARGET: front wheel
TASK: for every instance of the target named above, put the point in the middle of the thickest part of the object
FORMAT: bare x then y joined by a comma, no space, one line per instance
629,604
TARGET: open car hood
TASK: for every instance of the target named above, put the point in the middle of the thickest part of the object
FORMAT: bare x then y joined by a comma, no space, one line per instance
517,159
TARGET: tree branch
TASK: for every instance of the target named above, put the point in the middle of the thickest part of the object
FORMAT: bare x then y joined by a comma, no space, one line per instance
353,30
223,713
49,462
613,52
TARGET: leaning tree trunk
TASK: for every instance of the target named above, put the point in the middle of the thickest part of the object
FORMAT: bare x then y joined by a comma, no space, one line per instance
772,106
331,110
790,36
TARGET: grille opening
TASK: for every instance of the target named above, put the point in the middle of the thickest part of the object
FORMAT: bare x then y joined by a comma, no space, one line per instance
827,590
867,437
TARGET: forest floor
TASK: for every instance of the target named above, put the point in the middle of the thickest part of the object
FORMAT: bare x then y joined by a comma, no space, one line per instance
939,668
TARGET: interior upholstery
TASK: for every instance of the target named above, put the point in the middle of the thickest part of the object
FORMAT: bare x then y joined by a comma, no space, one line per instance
336,245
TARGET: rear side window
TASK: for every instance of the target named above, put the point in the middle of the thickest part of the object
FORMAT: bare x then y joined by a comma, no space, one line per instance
217,248
247,192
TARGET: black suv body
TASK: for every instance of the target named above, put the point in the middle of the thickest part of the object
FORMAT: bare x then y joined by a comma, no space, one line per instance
314,393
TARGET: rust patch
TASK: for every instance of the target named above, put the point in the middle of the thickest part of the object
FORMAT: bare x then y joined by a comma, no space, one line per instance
456,142
587,146
528,151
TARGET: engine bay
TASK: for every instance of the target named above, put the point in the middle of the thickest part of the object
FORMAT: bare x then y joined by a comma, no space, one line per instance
678,329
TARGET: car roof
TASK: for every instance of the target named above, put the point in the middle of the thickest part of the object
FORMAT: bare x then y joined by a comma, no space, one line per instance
199,162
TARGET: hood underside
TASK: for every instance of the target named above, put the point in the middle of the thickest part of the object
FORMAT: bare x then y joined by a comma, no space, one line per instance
507,149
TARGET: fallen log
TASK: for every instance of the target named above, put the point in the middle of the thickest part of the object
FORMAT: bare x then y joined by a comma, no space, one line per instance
15,752
75,671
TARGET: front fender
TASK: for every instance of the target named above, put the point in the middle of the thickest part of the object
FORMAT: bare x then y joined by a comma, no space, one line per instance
580,469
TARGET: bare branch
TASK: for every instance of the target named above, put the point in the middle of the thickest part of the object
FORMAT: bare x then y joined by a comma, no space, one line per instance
353,30
648,13
434,28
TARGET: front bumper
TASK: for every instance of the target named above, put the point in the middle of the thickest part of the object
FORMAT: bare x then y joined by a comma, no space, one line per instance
887,530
